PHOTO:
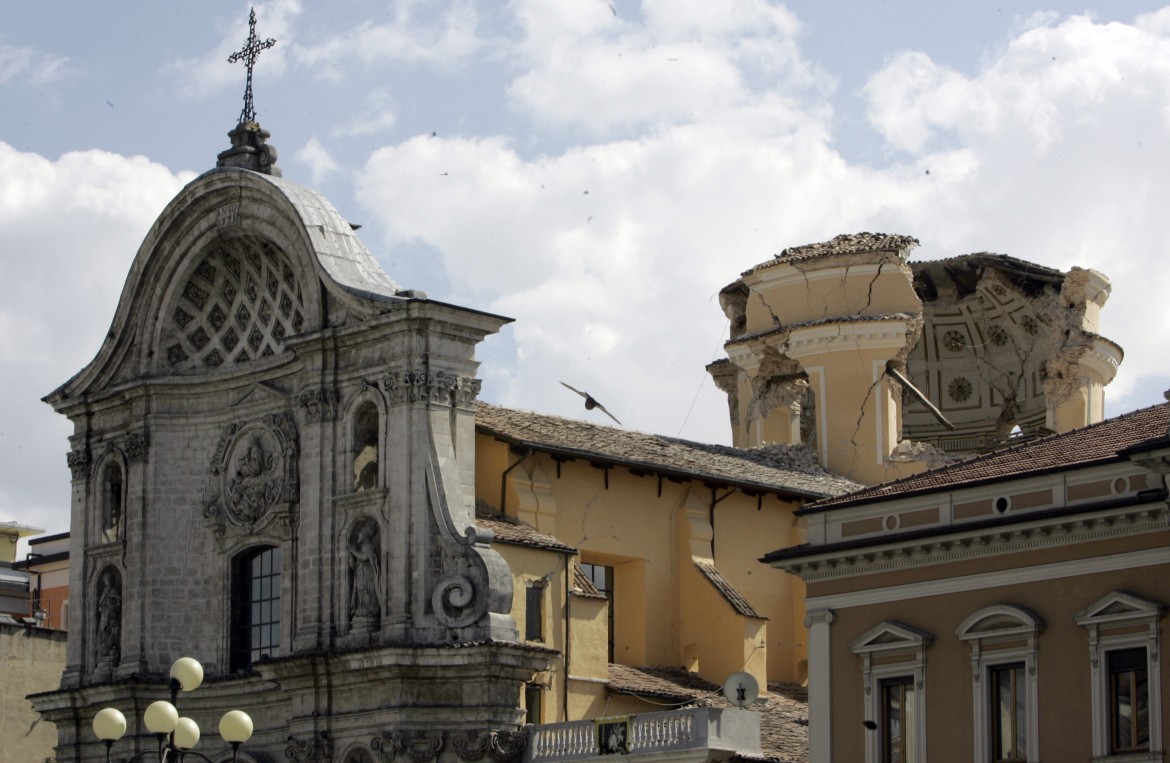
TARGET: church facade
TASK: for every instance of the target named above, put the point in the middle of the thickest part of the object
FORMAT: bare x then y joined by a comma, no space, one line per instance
273,463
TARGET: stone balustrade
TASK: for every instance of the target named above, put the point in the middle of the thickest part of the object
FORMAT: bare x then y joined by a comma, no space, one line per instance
720,732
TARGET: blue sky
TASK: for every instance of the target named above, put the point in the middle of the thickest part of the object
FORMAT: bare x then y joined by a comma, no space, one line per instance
596,169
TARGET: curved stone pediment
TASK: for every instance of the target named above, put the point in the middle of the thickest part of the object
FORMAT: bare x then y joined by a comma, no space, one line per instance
237,264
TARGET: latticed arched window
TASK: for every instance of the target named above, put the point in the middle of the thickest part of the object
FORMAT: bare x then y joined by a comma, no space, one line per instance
365,447
255,628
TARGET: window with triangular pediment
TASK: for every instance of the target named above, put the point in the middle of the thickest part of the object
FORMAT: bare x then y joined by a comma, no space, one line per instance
1124,632
893,662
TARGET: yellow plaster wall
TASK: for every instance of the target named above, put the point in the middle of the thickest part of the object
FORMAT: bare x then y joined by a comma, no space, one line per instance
859,412
794,297
8,547
31,661
547,569
716,640
743,534
589,658
663,604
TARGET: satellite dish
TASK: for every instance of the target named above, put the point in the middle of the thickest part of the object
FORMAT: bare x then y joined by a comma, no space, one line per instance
741,689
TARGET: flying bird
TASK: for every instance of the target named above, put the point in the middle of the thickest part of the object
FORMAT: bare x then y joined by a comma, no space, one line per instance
591,403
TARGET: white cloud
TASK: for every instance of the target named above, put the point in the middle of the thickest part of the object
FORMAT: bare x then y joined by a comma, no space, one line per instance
206,75
379,115
1059,147
321,164
684,60
69,230
24,64
610,255
417,33
1056,162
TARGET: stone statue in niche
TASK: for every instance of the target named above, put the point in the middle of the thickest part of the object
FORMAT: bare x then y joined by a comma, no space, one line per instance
365,602
111,512
109,617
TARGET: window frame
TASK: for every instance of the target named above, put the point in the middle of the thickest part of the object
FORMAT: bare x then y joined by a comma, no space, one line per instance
534,611
892,639
1110,624
985,632
1114,703
241,645
907,696
533,703
588,569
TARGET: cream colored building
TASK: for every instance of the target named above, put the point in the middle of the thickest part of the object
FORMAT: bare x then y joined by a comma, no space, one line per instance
1005,608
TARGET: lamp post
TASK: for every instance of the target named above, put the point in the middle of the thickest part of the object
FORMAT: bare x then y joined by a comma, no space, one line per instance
176,736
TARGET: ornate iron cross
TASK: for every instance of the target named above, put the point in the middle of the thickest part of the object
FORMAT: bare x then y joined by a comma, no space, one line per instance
248,55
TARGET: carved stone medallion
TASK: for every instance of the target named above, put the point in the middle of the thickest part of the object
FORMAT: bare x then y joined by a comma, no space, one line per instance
257,467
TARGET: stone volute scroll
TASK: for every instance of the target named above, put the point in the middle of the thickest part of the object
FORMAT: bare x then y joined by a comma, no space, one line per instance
474,587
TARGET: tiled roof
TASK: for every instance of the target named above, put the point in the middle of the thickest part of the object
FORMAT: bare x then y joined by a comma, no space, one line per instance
783,716
775,469
673,684
727,590
784,723
1097,443
583,586
846,243
517,533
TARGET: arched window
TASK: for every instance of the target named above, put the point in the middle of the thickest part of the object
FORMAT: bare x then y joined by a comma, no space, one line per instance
365,447
1003,641
255,628
111,507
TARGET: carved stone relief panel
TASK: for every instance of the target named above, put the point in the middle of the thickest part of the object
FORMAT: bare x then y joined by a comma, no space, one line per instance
135,445
78,461
426,386
319,404
254,473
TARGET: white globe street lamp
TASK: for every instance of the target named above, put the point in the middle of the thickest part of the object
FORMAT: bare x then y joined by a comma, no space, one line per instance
176,736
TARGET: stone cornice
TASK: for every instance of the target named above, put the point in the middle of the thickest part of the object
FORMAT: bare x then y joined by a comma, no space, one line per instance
872,334
961,544
1103,357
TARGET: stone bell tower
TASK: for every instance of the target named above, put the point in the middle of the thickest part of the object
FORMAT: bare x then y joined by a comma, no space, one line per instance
273,471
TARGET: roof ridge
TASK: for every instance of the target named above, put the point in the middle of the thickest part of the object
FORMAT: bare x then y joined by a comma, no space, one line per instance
886,489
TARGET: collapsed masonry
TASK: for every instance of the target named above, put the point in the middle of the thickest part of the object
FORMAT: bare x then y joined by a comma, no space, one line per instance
887,367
